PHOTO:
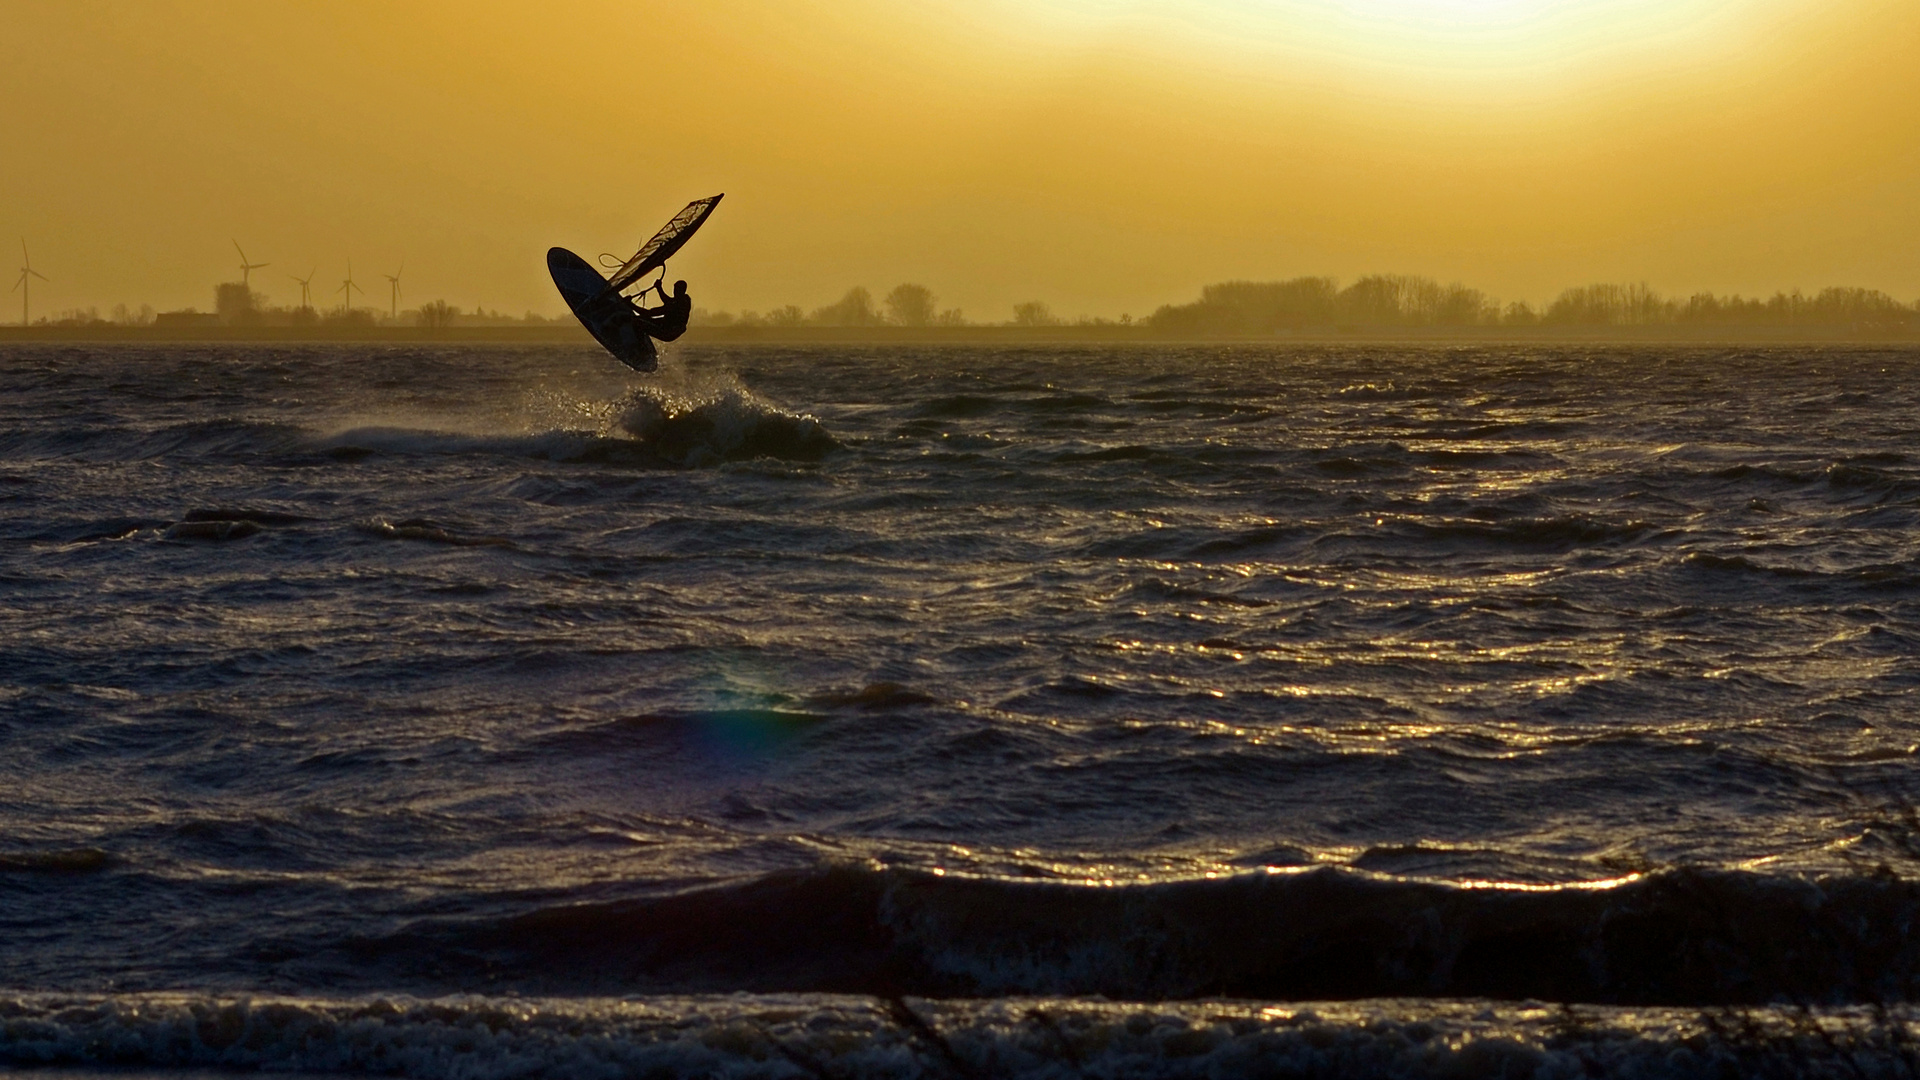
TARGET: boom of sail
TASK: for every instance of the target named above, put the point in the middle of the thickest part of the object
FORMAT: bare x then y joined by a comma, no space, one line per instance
655,252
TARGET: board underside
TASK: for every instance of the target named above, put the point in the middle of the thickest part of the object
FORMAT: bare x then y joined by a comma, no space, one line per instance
608,317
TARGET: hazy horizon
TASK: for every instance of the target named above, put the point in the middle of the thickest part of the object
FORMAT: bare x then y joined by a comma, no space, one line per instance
1105,157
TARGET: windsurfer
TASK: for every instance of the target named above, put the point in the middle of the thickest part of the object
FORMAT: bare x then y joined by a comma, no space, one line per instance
669,320
616,319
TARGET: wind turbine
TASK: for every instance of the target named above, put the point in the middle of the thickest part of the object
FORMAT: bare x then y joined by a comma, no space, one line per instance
394,279
27,274
348,286
247,268
305,297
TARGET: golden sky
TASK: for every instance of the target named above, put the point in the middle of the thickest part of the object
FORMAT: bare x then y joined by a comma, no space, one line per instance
1105,156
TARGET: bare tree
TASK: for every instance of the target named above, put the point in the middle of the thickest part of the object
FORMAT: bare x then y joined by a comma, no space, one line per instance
1034,313
911,305
1520,313
437,315
236,303
854,309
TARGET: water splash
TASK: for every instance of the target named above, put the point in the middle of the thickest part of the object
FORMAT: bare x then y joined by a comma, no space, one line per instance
695,418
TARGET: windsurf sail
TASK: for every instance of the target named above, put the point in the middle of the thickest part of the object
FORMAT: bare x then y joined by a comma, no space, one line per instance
655,252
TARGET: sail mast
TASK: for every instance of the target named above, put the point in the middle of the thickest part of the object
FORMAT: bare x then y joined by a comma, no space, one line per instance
656,251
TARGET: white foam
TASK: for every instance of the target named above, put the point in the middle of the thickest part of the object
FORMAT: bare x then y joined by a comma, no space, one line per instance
703,417
680,415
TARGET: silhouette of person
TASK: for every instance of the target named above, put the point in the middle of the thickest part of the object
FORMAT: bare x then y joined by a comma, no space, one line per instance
669,320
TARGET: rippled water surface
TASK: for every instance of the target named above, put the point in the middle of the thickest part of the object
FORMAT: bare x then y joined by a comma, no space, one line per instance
433,670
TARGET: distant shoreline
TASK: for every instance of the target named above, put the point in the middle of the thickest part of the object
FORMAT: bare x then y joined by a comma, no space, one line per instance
972,335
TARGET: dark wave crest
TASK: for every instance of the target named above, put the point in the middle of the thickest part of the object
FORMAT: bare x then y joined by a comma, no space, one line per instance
1675,937
728,426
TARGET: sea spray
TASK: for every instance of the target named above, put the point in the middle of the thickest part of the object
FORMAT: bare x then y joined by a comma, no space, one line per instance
695,417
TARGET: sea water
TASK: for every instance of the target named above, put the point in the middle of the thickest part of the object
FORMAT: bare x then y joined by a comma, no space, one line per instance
464,711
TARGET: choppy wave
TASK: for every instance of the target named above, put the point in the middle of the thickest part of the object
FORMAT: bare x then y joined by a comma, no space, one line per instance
1670,937
713,425
477,1038
678,420
1574,674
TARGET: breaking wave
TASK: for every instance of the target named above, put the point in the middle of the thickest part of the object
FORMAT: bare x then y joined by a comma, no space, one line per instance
480,1038
693,425
1668,938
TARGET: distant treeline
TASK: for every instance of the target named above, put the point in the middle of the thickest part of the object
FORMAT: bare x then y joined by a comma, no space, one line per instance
1250,307
1377,301
904,305
237,305
1233,308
